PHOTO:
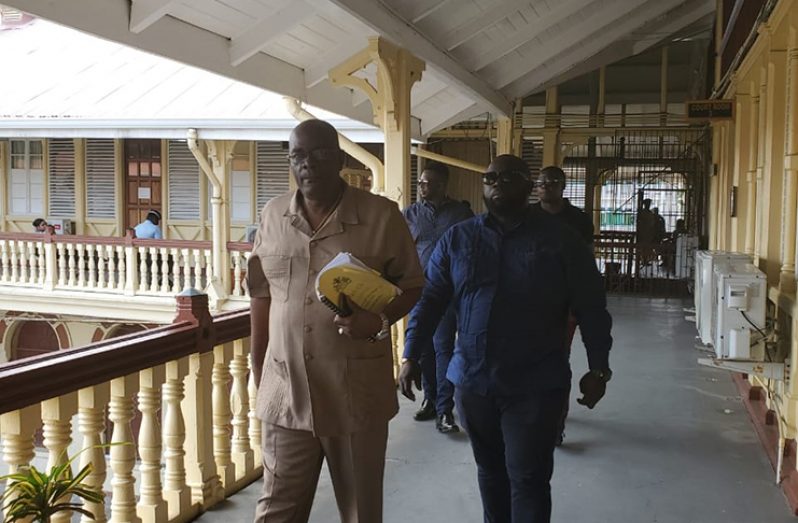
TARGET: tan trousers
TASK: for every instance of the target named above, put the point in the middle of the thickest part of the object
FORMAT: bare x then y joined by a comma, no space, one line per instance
292,463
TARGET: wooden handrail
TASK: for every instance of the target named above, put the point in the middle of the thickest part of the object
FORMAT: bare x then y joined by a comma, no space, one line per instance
107,240
29,381
239,246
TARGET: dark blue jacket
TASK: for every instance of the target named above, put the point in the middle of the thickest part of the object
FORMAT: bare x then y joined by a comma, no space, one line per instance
512,292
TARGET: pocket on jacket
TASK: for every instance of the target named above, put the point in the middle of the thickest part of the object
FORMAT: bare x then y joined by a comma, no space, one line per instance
277,270
273,390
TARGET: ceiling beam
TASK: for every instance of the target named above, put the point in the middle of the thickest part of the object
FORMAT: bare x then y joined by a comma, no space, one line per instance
426,90
190,45
557,14
468,30
617,28
257,37
144,13
377,16
689,13
317,71
608,25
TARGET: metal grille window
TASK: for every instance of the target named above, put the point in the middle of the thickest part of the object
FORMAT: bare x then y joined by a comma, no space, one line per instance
100,178
271,179
184,182
61,180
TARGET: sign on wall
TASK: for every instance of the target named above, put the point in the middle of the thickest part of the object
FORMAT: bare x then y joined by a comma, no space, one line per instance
710,110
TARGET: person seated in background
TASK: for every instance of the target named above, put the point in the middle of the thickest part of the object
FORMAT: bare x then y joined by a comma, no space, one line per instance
149,229
40,225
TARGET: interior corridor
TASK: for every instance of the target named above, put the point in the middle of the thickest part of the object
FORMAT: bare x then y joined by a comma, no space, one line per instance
670,443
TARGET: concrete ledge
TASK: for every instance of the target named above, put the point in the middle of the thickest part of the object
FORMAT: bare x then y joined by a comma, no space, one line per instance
766,427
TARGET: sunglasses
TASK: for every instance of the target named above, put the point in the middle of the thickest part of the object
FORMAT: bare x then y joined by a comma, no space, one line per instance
547,183
503,177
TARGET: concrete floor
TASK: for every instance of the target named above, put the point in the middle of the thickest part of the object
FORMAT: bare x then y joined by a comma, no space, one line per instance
671,442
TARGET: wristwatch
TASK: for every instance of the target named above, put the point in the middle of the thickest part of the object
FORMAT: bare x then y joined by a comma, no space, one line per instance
604,375
385,331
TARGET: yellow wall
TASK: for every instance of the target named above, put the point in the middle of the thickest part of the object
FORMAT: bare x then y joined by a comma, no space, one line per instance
756,153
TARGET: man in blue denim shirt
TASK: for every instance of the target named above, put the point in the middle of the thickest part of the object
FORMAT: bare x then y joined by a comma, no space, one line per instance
428,219
512,276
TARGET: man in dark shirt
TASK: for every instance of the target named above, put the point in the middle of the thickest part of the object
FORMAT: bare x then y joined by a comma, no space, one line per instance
550,187
513,276
428,219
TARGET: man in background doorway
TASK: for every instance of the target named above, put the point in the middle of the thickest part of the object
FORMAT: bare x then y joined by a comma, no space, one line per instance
550,187
428,219
149,229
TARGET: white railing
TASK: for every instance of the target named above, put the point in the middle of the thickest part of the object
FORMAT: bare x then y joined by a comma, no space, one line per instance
106,265
194,371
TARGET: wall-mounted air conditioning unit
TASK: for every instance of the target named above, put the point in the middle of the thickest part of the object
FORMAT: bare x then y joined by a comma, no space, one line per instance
741,295
704,292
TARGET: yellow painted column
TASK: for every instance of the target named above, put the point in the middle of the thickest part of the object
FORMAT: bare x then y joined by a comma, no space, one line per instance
750,218
759,173
773,171
740,158
790,202
602,97
504,136
221,156
714,211
551,134
80,185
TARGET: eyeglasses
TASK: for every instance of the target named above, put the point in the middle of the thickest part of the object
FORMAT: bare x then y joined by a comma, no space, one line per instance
318,155
504,177
547,183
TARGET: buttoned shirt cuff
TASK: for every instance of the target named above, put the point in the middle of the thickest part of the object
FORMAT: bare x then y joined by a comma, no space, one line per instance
257,283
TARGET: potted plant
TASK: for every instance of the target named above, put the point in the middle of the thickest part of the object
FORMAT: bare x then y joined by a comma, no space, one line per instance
31,493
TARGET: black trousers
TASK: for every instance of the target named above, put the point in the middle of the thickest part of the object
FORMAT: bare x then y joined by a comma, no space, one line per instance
512,438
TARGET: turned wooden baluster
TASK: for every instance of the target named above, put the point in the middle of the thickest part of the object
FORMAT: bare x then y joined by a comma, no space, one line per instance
41,263
198,259
143,284
175,274
123,453
255,429
73,273
175,491
220,378
239,400
165,274
91,423
56,418
23,262
92,259
5,275
186,268
79,253
16,435
110,273
244,287
14,265
61,260
208,269
236,273
153,269
121,279
152,507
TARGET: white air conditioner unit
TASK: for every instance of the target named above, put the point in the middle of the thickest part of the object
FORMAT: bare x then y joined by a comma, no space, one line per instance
741,295
62,226
704,292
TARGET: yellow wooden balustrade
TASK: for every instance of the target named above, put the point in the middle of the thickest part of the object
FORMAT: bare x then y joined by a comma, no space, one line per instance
194,371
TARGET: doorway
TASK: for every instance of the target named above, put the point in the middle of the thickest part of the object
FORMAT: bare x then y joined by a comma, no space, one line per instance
142,179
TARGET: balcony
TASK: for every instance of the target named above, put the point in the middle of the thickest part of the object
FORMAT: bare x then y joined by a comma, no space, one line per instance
116,278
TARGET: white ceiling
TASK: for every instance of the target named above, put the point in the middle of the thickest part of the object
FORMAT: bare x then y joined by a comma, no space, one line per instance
480,54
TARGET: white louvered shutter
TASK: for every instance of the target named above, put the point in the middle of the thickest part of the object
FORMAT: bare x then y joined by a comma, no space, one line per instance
184,180
100,178
62,178
272,172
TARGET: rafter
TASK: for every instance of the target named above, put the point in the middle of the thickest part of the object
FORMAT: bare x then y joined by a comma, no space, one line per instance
560,12
317,71
144,13
602,38
257,37
585,32
689,13
393,27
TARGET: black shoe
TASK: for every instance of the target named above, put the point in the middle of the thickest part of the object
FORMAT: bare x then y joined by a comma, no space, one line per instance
426,412
445,423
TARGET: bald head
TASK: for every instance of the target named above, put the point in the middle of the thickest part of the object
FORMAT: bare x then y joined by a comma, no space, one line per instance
316,159
506,185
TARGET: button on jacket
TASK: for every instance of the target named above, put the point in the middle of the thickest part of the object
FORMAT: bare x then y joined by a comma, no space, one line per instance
512,292
313,378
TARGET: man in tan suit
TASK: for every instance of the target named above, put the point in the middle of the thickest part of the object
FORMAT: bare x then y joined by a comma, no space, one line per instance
326,391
